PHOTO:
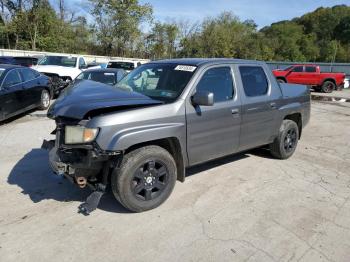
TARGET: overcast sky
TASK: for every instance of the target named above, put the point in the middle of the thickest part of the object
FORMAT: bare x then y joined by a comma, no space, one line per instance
263,12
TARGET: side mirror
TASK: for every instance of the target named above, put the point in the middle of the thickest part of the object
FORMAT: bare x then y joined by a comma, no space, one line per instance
83,67
203,98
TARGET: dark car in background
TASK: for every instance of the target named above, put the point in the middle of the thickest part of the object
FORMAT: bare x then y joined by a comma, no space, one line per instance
109,76
127,65
27,61
22,89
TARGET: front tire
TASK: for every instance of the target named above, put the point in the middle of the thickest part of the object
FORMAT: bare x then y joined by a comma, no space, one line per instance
145,178
285,144
45,100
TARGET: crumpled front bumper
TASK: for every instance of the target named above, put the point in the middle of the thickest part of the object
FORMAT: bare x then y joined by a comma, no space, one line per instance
57,166
79,161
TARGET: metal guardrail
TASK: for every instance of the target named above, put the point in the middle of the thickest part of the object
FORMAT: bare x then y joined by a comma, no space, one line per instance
89,58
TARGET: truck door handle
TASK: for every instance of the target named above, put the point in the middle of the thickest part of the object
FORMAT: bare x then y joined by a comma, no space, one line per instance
253,109
273,105
235,111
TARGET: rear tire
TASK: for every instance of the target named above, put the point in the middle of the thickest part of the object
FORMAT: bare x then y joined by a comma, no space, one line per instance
285,144
145,178
45,100
328,87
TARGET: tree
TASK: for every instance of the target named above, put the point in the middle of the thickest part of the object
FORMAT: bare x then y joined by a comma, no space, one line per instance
223,36
342,30
117,24
162,40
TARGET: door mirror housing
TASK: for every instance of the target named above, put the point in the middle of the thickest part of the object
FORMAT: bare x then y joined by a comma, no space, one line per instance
203,98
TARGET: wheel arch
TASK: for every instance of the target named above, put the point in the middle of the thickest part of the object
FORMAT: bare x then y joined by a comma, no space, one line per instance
173,146
282,78
50,90
297,118
329,79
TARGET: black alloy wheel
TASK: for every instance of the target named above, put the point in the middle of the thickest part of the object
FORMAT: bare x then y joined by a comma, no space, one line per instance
290,140
145,178
149,180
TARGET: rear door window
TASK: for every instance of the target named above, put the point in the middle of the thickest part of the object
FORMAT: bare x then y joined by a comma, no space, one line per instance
28,74
310,69
81,63
12,78
254,80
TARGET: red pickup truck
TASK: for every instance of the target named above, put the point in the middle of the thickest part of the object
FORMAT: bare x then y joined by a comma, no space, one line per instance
310,75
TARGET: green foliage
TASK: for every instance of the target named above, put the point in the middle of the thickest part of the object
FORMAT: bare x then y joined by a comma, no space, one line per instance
36,26
162,39
117,24
322,35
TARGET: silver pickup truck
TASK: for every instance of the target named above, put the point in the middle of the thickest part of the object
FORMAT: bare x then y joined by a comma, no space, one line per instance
165,116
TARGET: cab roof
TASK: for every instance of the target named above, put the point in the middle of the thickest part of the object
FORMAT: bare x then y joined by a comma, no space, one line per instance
9,66
205,61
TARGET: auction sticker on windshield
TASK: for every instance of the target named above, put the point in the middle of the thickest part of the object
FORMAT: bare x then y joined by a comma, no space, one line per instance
185,68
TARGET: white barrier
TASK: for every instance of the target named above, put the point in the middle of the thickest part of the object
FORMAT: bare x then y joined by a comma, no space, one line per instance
89,58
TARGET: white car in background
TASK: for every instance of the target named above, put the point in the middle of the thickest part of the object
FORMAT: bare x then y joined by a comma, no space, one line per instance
61,69
127,65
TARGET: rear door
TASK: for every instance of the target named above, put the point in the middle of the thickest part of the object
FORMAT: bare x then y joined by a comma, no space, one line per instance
259,106
213,131
311,75
32,86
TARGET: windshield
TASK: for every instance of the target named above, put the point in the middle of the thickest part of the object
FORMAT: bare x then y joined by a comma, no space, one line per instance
121,65
58,61
288,68
163,82
108,78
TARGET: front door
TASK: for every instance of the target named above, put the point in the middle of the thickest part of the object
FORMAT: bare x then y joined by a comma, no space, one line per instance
213,131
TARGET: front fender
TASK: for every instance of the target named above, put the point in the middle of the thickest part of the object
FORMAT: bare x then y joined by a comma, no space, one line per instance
125,138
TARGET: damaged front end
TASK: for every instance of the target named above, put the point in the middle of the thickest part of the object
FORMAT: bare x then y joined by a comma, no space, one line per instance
82,164
75,153
58,83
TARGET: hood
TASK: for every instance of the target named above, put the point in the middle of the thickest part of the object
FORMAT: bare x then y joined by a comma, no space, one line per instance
85,96
59,70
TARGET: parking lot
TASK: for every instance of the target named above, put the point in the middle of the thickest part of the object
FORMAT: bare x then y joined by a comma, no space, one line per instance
247,207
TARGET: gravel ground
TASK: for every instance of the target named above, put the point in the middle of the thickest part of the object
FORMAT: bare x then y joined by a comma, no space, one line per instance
247,207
